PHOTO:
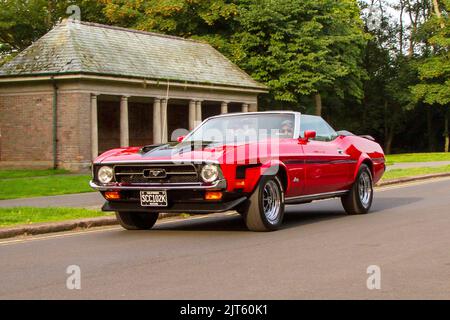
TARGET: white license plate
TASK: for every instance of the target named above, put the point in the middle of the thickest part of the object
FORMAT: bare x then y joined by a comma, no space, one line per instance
154,198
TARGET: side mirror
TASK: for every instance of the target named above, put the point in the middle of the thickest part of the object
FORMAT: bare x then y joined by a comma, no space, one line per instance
180,138
308,135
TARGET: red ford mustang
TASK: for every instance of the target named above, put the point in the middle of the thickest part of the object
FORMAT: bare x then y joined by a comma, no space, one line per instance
254,163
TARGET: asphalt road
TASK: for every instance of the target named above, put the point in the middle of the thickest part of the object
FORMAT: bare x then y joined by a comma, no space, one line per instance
320,253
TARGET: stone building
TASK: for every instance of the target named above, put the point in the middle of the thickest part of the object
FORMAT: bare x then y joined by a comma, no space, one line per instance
84,88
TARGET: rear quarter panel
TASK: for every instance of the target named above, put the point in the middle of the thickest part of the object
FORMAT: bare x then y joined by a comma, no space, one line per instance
365,150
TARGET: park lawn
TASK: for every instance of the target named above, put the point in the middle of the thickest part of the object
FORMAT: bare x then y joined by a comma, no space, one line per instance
409,172
27,215
49,185
417,157
25,173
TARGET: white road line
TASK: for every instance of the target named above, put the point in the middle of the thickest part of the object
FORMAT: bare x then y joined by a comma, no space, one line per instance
84,232
71,233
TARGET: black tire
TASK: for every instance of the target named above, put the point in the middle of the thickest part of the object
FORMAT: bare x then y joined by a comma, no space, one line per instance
137,220
255,216
354,202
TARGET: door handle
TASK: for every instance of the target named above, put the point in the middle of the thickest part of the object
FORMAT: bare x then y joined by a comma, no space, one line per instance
340,151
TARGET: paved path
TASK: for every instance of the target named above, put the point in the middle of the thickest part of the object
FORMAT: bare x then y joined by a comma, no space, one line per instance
320,253
79,200
407,165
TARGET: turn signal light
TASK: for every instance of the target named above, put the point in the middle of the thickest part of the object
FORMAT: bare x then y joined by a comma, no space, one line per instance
112,195
213,195
240,184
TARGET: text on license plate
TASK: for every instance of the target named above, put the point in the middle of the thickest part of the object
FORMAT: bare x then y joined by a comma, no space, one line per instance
154,198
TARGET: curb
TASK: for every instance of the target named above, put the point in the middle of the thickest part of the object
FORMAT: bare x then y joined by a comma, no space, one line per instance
411,179
51,227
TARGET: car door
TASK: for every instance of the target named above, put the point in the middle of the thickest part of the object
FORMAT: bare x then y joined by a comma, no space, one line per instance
327,166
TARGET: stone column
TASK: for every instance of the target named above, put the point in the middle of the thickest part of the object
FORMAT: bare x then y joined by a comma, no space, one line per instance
164,123
224,107
253,107
244,107
124,133
157,121
198,111
192,114
94,127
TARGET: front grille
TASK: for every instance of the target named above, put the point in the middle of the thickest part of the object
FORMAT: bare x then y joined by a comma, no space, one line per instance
139,174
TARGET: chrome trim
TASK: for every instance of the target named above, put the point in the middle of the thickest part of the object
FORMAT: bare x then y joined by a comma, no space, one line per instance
156,165
219,184
317,196
168,173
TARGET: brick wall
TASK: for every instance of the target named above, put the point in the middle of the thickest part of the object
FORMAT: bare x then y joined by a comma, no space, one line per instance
26,127
74,130
25,122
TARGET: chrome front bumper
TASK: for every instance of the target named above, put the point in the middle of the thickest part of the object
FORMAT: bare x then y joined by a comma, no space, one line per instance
217,185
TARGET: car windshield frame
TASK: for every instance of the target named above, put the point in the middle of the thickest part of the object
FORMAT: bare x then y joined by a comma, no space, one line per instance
295,120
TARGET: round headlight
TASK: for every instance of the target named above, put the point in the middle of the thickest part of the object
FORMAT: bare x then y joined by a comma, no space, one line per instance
105,174
209,173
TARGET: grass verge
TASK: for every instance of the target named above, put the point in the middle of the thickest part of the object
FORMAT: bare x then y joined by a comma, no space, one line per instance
418,157
25,173
26,187
26,215
410,172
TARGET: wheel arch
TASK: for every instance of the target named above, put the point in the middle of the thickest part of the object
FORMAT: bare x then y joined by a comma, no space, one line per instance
276,168
364,159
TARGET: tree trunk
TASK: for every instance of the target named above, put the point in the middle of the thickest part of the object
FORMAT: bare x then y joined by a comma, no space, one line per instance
446,133
50,9
401,28
388,144
438,13
430,129
318,102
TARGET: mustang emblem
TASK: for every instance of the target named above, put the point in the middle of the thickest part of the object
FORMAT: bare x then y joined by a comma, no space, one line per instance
155,173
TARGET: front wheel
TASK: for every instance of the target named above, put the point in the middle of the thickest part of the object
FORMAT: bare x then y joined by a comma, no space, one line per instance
137,220
359,199
265,207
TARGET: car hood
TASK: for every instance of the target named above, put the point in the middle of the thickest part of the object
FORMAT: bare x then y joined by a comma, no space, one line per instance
173,151
184,151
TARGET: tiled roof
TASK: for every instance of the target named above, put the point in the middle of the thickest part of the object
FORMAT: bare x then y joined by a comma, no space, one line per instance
89,48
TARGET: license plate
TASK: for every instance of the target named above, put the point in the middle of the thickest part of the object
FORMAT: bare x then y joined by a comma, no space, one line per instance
154,198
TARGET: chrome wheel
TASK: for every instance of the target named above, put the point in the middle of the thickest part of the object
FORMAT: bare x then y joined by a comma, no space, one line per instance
271,201
365,188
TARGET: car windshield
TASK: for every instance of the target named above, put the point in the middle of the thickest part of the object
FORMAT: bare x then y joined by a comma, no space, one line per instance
245,127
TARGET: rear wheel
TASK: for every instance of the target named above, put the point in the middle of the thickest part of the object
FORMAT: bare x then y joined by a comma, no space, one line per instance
137,220
265,207
359,199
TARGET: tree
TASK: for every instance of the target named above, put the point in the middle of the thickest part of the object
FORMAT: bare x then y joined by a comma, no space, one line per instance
434,67
303,48
23,22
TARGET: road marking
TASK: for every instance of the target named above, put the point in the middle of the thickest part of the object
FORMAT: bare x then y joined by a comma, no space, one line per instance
101,229
86,231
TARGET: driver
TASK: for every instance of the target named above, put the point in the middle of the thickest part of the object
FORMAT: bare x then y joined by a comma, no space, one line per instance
287,129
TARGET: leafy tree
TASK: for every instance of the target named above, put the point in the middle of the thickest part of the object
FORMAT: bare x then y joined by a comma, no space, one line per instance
303,48
434,67
22,22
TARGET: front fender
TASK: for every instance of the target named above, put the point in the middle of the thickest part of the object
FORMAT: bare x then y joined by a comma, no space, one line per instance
272,167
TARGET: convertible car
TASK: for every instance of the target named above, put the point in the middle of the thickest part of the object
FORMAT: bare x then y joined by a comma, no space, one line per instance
254,163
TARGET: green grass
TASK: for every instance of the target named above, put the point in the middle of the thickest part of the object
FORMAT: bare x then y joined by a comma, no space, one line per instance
401,173
35,186
418,157
23,173
25,215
